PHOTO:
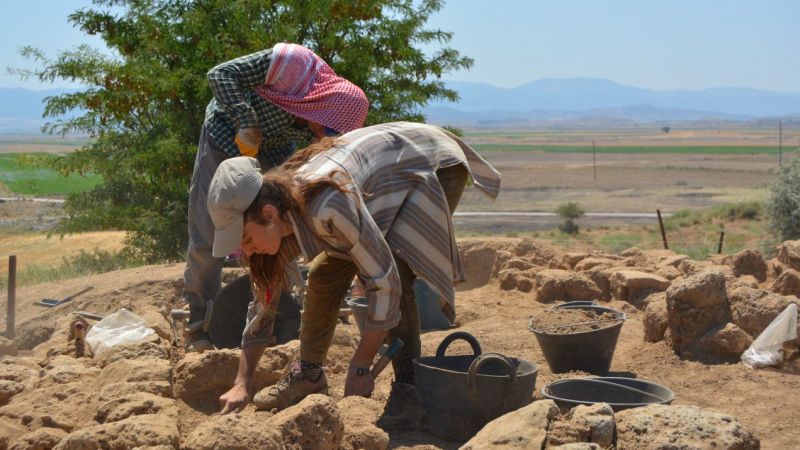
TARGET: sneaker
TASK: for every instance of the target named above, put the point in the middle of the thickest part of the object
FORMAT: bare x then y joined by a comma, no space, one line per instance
291,388
196,339
403,409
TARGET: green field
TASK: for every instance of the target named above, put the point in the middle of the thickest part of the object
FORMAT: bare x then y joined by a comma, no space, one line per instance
699,149
25,180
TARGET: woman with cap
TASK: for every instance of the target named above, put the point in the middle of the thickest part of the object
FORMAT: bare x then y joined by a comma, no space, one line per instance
265,105
375,202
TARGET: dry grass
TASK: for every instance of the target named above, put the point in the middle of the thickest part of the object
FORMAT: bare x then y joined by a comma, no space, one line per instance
42,250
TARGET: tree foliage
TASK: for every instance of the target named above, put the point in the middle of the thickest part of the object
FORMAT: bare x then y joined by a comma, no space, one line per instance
783,206
145,104
570,211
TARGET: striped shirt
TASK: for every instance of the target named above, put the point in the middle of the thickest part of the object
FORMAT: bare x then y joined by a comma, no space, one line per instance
236,105
397,206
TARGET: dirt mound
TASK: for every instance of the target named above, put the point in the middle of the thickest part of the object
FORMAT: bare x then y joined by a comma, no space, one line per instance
563,321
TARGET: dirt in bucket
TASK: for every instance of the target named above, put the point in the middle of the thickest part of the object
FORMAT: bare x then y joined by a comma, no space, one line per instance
564,321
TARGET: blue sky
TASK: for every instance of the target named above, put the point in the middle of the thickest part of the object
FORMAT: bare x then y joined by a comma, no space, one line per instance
676,44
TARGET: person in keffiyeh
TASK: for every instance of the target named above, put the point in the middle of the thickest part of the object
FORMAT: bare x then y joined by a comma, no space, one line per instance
266,105
375,202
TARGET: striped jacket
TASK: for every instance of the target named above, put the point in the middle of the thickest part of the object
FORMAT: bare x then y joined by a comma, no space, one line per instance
397,206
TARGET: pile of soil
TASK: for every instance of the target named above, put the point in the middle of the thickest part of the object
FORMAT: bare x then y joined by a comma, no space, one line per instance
565,321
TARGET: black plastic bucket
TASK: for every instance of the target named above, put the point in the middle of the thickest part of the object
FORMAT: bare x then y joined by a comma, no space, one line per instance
461,394
619,393
588,351
227,316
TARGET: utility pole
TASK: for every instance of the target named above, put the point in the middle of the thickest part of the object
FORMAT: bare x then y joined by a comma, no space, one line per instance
780,142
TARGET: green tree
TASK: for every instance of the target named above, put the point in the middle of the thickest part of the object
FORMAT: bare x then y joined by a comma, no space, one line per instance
783,206
144,105
570,211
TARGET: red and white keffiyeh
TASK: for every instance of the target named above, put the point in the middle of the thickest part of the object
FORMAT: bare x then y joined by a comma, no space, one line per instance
304,85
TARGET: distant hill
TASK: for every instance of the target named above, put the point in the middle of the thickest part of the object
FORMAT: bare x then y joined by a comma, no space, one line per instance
575,99
21,109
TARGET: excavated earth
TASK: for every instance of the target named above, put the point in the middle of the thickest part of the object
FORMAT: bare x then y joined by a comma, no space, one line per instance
150,395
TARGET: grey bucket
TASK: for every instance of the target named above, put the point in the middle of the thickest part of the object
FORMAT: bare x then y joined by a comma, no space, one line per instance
461,394
588,351
359,307
620,393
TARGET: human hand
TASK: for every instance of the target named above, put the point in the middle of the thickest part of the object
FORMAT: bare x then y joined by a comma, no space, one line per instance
236,399
361,385
248,140
357,288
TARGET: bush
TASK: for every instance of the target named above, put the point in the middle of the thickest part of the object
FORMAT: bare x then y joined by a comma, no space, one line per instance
570,211
783,206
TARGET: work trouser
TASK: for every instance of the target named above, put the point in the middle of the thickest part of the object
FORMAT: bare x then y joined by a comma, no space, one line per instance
330,277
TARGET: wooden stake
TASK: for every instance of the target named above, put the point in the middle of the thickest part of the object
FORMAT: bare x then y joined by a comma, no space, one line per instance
12,296
721,237
663,233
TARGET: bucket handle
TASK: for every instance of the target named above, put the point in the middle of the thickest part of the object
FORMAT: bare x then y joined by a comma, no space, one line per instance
511,377
462,335
624,387
577,303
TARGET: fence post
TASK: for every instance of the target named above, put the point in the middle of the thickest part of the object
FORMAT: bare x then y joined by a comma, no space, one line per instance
663,233
721,237
12,296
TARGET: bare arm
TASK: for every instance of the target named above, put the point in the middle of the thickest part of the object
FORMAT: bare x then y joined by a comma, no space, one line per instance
239,395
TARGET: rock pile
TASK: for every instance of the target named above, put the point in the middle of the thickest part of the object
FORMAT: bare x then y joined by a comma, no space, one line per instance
706,310
539,425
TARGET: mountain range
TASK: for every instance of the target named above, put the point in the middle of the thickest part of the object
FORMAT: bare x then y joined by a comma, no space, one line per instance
567,102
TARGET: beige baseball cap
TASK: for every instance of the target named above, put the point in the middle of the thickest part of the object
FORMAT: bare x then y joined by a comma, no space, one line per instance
234,187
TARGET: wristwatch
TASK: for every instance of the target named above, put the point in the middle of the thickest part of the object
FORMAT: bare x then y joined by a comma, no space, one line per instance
360,371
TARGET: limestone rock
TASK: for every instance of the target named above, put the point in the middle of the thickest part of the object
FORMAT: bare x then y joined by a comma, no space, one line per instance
655,320
66,369
593,261
136,431
565,432
556,284
114,391
787,283
600,420
7,347
722,344
314,423
668,272
689,267
600,276
152,347
136,404
9,389
133,370
200,378
359,416
65,406
538,253
633,285
570,259
750,262
9,431
577,446
788,254
660,427
753,309
512,279
695,305
518,264
41,439
672,261
524,428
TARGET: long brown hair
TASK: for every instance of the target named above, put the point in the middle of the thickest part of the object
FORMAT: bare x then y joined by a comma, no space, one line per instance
287,194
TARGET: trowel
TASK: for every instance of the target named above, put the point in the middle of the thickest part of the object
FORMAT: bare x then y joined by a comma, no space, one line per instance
51,302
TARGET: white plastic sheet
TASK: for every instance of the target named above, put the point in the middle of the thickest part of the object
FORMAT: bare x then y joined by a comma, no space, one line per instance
767,349
119,328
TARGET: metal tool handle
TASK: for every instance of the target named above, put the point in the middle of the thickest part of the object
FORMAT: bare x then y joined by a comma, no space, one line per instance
81,292
462,335
508,365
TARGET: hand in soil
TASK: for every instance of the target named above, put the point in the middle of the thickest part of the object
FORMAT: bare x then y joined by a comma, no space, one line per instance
358,385
235,399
